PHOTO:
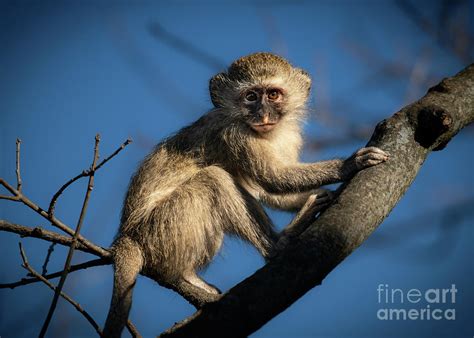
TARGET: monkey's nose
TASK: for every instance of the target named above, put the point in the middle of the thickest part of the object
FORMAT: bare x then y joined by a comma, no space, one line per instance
265,119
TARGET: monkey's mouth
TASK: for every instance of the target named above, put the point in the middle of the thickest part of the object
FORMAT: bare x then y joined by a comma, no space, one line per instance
263,127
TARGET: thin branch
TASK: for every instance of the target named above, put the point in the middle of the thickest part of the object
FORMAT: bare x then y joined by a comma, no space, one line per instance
84,173
77,242
119,149
18,174
15,197
54,221
72,268
52,204
67,265
49,236
133,330
76,305
189,292
10,198
44,269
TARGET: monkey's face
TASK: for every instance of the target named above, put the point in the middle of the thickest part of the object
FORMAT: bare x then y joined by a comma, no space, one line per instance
262,89
262,107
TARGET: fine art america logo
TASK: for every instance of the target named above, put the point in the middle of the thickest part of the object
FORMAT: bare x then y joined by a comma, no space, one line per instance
416,304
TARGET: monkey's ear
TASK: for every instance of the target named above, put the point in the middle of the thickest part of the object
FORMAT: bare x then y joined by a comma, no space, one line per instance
304,78
217,87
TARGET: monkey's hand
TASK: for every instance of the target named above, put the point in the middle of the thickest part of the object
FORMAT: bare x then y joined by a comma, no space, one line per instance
321,197
364,158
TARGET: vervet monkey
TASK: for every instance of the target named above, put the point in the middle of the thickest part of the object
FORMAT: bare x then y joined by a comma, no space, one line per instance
212,177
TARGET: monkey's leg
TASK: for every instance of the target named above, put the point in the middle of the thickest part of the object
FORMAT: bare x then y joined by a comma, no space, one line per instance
128,262
186,231
252,224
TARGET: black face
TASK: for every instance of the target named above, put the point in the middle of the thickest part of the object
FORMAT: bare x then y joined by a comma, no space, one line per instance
264,107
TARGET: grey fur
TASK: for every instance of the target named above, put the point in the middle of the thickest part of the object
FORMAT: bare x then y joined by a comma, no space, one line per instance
211,177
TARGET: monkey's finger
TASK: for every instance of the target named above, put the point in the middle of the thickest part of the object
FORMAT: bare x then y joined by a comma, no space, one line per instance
318,205
319,198
322,199
310,201
307,207
368,150
313,205
326,192
318,208
322,192
372,156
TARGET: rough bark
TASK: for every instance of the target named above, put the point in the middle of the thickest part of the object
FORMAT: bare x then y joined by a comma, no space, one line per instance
409,136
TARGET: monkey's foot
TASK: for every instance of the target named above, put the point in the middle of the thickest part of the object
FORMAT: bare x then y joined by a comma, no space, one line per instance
314,204
323,197
192,288
200,283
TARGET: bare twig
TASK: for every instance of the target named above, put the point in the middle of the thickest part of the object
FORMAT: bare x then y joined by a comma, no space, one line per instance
133,330
72,268
49,236
54,221
9,198
108,158
67,265
84,173
52,204
44,269
78,307
186,291
77,242
18,174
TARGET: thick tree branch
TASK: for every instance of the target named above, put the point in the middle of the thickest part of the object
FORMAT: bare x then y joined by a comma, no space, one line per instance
363,204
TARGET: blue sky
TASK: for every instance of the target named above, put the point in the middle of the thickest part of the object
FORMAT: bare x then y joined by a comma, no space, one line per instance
69,70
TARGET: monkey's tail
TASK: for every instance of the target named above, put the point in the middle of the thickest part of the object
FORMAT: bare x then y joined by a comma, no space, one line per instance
128,262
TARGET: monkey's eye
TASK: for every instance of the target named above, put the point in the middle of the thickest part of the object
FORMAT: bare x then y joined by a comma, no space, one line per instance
273,95
251,96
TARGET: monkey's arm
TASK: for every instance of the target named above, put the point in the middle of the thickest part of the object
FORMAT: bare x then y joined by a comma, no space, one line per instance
279,179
